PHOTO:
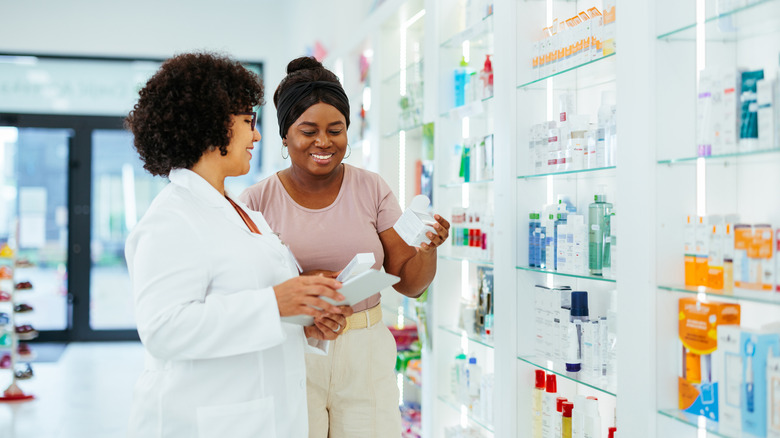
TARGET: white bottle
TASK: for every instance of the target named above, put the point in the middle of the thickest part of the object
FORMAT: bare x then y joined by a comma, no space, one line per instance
592,418
612,342
605,128
548,406
473,378
578,417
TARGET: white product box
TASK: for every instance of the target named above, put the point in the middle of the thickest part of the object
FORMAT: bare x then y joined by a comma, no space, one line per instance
727,372
414,223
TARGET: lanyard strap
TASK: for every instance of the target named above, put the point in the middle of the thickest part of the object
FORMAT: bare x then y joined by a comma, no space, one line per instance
247,220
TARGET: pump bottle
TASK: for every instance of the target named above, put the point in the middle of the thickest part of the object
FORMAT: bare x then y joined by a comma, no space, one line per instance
578,317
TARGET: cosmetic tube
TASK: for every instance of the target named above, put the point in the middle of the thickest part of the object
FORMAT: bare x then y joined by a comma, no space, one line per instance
592,418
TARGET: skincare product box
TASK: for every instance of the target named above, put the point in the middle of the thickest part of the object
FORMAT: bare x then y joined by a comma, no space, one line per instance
698,322
756,347
415,222
773,396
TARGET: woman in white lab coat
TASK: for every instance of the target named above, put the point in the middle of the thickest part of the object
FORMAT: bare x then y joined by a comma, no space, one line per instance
211,281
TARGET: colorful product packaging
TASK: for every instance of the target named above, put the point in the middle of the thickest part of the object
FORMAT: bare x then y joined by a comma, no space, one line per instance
698,323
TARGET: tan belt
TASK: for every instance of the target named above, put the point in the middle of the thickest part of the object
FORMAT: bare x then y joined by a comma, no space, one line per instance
365,318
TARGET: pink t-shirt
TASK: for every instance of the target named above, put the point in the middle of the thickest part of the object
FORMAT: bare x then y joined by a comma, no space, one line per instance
328,238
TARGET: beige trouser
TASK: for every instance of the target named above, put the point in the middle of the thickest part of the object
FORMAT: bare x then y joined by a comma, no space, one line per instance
352,392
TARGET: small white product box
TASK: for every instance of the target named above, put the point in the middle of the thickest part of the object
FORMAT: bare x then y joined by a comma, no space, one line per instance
359,264
414,223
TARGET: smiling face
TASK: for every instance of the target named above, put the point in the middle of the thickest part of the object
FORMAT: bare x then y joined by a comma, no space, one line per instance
242,138
317,140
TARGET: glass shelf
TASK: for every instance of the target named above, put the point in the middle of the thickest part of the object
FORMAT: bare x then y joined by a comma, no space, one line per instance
759,18
467,110
541,80
458,407
692,160
388,310
537,362
468,259
398,131
397,74
695,421
477,34
460,332
719,294
567,172
461,184
564,274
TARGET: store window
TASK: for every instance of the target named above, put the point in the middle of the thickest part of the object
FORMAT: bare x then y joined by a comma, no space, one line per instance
72,187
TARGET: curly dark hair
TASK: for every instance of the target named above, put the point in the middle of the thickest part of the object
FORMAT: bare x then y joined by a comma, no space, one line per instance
308,69
185,108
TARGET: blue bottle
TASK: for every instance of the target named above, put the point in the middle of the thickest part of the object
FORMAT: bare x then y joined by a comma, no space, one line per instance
534,244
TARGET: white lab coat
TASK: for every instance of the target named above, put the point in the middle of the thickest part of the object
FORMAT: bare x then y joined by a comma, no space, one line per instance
219,362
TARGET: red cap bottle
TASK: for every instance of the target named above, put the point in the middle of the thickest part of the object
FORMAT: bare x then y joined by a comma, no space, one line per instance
539,384
552,384
559,403
612,432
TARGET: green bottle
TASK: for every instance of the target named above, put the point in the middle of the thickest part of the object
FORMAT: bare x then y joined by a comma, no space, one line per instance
598,223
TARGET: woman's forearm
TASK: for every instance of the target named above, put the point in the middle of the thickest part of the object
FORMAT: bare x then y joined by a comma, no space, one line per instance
417,274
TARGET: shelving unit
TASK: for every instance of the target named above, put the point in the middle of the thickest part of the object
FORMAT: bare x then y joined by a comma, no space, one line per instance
10,351
706,41
652,184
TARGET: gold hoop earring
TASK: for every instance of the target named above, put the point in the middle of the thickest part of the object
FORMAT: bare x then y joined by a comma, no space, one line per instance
284,146
350,152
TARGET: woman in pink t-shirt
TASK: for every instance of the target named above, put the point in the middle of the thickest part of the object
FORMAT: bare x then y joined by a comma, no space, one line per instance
327,212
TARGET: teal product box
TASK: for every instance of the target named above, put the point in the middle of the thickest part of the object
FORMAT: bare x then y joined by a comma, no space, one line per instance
755,348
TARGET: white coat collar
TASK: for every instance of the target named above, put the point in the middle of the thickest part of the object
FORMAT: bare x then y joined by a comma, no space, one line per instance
199,187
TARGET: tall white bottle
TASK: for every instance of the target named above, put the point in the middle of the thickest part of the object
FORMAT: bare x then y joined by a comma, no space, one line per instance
548,406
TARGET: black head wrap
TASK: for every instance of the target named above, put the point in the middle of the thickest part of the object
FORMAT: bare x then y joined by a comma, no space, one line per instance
296,92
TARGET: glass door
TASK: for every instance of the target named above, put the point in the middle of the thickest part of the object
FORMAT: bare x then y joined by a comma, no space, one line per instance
121,192
34,220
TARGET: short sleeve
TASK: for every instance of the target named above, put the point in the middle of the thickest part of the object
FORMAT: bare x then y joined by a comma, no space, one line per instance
389,209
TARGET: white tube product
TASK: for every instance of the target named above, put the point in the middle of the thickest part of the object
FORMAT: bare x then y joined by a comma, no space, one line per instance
592,418
612,341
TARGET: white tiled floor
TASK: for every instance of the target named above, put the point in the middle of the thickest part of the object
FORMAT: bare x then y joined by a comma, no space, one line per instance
86,394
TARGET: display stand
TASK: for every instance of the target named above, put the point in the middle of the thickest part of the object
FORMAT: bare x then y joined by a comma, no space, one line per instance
9,288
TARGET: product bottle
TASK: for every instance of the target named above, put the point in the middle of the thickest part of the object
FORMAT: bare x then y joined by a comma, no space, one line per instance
612,246
550,242
701,231
612,432
536,403
689,252
598,221
534,227
560,223
473,380
611,354
557,421
592,418
578,142
548,406
461,77
578,317
566,429
715,259
487,78
456,376
728,260
605,127
578,417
